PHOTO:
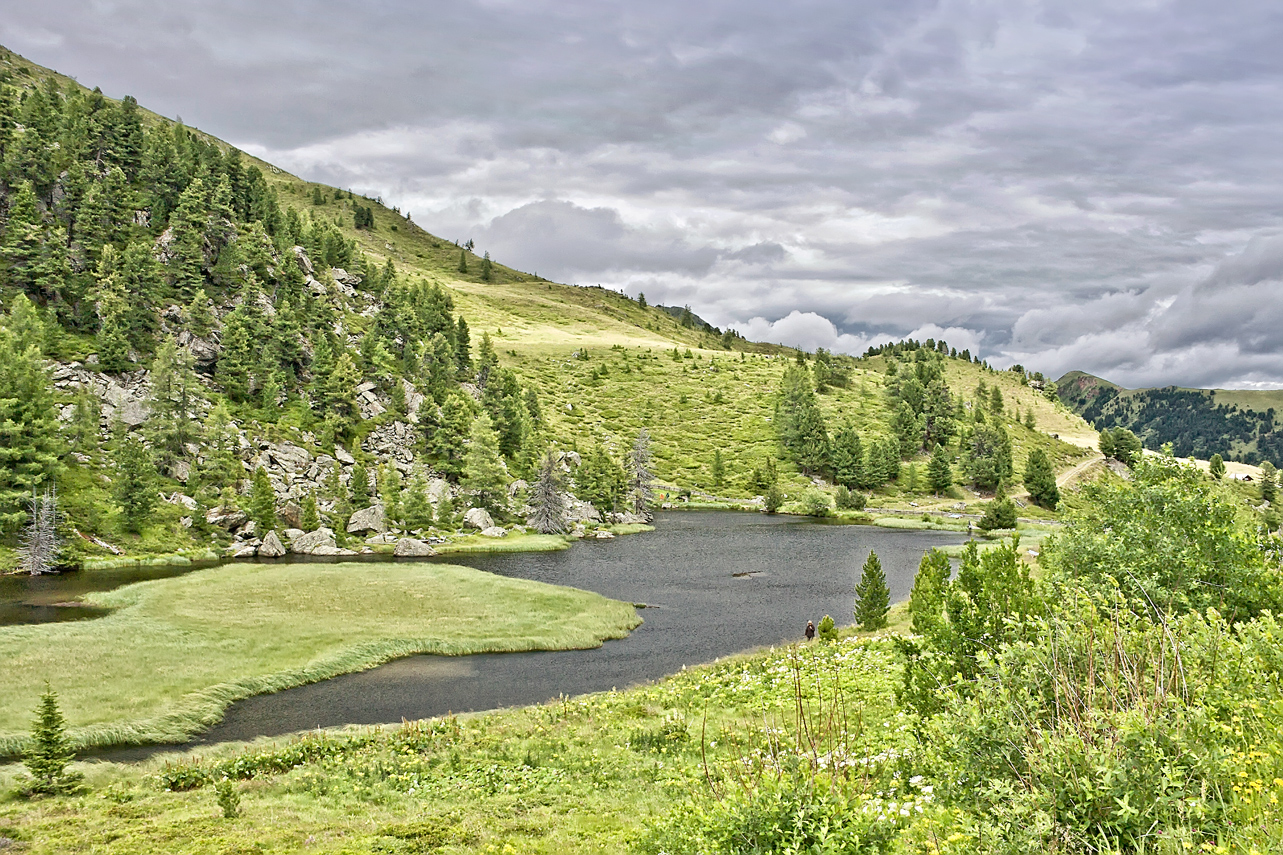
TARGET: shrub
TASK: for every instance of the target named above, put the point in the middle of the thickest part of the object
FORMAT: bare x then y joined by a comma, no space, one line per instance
850,500
827,629
816,504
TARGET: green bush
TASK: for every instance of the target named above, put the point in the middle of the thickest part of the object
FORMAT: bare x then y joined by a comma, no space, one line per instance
816,504
229,798
827,629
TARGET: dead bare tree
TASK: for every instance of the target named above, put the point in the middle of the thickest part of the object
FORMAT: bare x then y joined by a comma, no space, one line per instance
40,544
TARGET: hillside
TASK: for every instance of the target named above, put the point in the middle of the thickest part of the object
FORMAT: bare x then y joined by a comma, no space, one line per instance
264,353
1235,423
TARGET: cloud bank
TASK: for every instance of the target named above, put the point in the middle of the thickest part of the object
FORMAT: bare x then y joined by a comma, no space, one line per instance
1091,185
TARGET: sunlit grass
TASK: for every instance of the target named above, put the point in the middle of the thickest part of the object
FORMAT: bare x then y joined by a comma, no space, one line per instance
176,652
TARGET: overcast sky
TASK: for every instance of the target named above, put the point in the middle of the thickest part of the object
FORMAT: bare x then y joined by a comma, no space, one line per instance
1092,185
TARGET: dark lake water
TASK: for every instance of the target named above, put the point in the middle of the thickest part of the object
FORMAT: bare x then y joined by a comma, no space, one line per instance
715,583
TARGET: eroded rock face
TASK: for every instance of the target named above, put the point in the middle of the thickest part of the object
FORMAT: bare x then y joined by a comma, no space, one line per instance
478,518
409,547
271,547
369,519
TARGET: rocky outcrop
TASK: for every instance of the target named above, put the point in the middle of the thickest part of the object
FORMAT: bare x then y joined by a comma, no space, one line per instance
408,547
478,518
271,546
368,519
228,518
393,442
308,544
494,531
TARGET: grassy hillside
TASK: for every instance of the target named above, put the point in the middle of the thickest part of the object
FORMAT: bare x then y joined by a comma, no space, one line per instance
303,318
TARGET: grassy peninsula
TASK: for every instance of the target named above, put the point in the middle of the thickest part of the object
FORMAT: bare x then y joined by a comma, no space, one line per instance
176,652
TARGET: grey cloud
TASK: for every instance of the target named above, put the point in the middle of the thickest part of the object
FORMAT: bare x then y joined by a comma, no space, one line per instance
1088,185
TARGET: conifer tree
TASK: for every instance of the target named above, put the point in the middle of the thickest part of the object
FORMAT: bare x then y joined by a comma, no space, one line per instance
340,387
908,430
417,510
262,502
549,503
1040,480
29,445
846,456
445,512
447,439
85,422
175,397
311,520
926,600
360,487
872,597
187,260
463,262
487,361
22,247
484,475
50,752
939,472
1269,482
462,348
719,469
135,483
486,268
237,357
389,479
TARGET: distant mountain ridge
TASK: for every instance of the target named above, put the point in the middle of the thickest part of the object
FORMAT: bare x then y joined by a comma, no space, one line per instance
1237,424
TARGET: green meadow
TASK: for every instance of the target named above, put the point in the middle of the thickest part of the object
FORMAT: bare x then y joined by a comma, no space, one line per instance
176,652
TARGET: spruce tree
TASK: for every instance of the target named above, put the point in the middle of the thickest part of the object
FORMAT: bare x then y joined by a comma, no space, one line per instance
939,472
926,600
135,483
22,247
416,509
549,503
29,442
484,475
462,348
389,482
486,268
719,469
872,597
311,518
463,262
262,502
175,399
238,355
1269,482
360,487
1040,480
50,752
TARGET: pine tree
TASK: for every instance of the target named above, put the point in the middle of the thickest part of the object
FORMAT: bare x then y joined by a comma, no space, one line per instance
50,752
908,430
1040,480
462,348
1269,482
926,600
484,475
389,482
445,513
135,483
487,361
360,487
872,597
549,503
939,472
719,469
175,398
22,247
417,510
311,518
463,262
238,355
187,259
29,443
262,502
846,456
486,268
340,388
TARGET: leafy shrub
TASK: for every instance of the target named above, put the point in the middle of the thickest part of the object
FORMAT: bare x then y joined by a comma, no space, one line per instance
816,504
850,500
827,629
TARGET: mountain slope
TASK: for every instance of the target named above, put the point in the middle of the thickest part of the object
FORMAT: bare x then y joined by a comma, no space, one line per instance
1237,424
207,315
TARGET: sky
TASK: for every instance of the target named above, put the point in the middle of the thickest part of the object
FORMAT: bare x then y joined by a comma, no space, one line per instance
1077,185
